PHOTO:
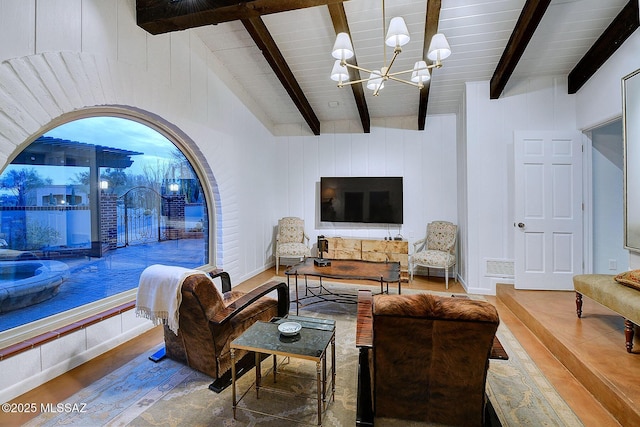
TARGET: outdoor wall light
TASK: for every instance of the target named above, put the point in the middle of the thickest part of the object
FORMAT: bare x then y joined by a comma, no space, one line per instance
174,187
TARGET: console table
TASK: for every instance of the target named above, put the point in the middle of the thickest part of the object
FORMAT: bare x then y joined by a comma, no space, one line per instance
370,250
381,272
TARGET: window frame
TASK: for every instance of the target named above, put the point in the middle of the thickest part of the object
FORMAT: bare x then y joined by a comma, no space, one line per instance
204,174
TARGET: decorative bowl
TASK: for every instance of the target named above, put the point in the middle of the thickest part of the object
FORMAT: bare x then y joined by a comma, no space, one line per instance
289,329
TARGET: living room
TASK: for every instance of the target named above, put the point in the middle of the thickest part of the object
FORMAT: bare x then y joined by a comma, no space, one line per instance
460,168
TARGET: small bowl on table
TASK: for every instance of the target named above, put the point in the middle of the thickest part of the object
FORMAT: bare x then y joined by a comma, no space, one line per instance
289,329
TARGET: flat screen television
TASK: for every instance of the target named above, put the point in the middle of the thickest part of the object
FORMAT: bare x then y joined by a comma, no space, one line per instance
376,200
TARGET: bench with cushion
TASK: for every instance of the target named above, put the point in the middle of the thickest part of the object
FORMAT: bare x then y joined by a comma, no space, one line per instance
619,293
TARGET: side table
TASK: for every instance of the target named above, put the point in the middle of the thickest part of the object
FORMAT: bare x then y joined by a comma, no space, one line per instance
310,344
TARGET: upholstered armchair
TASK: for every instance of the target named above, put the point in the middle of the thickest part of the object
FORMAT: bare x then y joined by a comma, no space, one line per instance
291,240
437,249
210,320
423,358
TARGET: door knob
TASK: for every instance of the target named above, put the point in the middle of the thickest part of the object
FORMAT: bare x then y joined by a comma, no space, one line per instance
520,225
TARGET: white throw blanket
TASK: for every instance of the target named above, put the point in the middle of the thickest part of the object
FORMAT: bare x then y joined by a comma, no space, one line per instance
160,294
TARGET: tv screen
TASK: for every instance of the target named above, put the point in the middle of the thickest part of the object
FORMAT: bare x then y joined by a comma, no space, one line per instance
361,199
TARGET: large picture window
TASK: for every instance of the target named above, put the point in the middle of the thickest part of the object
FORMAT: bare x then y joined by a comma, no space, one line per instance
85,208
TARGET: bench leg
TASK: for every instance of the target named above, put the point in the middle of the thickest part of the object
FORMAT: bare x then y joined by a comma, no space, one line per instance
628,334
579,304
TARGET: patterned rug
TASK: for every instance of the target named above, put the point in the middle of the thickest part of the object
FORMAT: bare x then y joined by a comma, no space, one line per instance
143,393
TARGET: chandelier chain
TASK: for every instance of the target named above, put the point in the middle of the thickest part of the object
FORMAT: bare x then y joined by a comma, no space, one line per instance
384,33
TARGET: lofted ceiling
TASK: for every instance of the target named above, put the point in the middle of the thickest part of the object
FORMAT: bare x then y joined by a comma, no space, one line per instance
275,55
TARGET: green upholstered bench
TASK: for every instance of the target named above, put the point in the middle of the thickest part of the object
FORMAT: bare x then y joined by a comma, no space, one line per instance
605,290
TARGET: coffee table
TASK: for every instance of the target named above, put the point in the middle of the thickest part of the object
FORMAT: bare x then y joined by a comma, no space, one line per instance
310,344
381,272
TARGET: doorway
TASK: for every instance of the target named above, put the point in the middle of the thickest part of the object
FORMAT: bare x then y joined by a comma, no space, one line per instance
607,200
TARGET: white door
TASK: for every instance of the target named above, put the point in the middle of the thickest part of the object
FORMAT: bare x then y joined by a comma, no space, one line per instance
548,211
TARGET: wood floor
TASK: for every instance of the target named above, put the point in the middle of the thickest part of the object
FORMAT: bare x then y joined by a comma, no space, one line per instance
593,347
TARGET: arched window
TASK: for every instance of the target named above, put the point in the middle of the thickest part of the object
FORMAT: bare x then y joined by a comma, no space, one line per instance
85,208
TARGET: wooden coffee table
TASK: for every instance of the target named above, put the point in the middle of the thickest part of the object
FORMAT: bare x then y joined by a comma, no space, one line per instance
381,272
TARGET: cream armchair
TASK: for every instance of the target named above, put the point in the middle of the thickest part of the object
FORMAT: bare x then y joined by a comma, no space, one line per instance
291,240
437,250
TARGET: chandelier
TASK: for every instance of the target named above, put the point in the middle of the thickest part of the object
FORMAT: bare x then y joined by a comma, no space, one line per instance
396,36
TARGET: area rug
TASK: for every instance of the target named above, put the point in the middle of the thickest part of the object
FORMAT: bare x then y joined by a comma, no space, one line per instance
143,393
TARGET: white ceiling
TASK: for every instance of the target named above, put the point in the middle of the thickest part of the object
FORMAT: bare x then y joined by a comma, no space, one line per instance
477,30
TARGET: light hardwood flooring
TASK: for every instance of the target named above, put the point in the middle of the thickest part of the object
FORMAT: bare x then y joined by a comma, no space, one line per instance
539,304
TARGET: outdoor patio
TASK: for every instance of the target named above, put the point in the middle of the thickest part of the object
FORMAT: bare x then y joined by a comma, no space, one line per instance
95,278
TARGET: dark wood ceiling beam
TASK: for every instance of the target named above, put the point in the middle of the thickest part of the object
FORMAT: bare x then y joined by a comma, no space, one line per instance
164,16
613,37
430,28
340,24
261,36
529,19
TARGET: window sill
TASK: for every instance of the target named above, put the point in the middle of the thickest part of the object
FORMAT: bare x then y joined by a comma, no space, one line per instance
33,335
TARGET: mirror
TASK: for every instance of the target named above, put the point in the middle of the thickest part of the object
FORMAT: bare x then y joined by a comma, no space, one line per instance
631,131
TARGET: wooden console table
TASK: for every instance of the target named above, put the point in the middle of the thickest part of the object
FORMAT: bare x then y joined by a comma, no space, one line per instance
371,250
382,272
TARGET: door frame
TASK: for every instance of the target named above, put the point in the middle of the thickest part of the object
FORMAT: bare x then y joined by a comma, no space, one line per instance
587,199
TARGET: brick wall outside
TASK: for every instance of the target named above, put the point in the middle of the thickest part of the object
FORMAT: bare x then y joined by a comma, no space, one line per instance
108,222
173,208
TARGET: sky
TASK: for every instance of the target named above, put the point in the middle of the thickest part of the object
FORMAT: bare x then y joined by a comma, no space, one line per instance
110,132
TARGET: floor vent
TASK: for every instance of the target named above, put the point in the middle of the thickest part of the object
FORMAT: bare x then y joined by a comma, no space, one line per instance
499,268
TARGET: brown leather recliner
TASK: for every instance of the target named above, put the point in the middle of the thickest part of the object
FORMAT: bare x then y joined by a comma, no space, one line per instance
424,358
210,320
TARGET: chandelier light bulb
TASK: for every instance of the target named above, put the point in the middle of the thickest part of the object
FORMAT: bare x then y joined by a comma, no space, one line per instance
339,73
439,48
342,48
420,72
397,34
375,81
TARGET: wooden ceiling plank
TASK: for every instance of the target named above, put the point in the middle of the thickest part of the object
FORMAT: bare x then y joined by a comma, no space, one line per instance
164,16
624,24
341,25
528,22
261,36
430,28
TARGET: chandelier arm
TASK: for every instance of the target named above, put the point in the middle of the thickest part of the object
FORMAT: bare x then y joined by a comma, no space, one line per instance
396,51
355,67
349,82
404,81
391,75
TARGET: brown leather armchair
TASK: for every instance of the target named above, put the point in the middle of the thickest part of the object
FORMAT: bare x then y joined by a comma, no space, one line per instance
210,320
423,358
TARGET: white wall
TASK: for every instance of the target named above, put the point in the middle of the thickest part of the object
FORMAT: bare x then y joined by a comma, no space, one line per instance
425,159
60,57
600,99
540,104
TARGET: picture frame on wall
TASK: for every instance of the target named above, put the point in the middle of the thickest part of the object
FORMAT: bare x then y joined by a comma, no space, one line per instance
631,137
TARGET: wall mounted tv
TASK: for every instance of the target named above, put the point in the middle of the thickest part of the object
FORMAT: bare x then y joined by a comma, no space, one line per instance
376,200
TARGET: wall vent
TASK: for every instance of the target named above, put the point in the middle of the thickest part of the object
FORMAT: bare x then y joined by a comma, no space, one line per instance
499,268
